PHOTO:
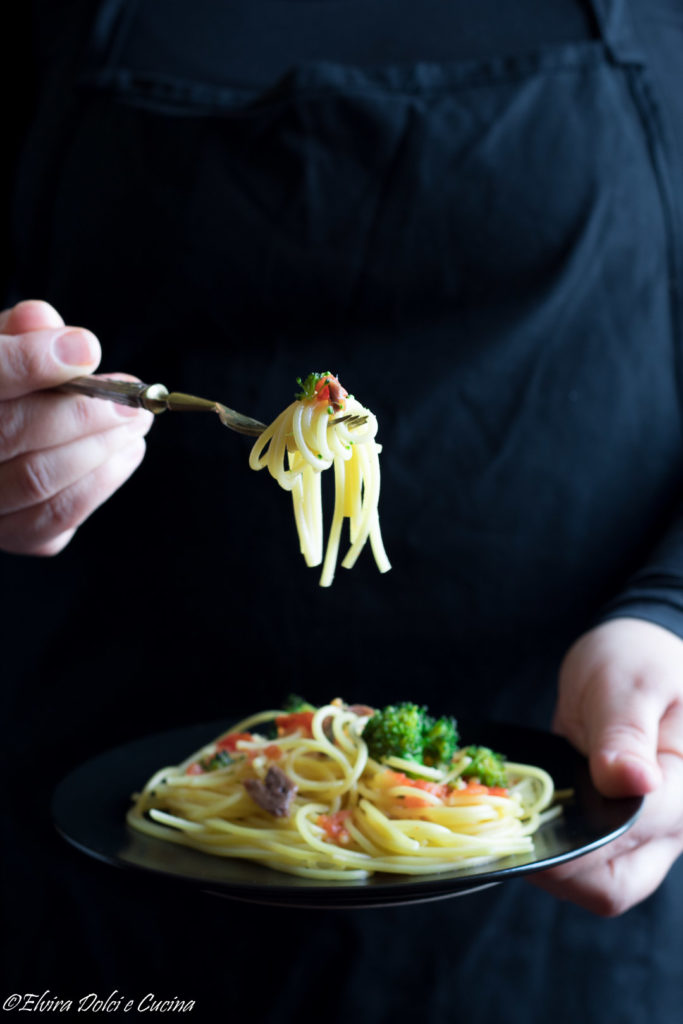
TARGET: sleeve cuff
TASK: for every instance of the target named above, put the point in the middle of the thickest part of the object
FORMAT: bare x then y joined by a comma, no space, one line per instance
656,599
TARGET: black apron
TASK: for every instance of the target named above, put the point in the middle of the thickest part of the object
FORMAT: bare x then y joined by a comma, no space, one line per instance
482,248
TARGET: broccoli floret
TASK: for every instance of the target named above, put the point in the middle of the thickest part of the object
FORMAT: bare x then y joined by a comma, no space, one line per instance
406,730
396,731
441,741
295,703
307,386
486,766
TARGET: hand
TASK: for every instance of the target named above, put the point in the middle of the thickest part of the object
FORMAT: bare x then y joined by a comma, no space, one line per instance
621,704
60,455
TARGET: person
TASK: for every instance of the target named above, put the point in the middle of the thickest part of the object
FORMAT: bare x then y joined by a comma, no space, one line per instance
433,204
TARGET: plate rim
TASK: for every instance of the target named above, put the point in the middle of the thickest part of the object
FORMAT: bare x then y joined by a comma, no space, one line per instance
374,891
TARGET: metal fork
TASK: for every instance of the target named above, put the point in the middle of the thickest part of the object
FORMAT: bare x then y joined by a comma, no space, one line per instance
156,398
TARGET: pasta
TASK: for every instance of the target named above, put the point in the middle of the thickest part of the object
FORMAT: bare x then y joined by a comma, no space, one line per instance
300,444
311,801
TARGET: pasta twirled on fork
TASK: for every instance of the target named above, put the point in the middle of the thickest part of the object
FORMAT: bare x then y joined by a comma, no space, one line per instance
303,441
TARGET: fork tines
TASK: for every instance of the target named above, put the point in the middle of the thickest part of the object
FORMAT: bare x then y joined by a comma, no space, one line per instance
350,420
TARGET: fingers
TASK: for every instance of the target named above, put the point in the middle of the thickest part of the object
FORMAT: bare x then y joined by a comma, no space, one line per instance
628,870
610,886
46,494
46,527
34,479
30,315
47,419
45,358
53,451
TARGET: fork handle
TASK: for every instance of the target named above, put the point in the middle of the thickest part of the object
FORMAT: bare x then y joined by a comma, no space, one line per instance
123,392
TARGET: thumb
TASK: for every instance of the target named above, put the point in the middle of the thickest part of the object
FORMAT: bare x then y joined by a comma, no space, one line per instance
37,351
621,730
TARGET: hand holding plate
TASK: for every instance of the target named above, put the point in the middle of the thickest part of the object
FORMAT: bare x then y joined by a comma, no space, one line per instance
621,703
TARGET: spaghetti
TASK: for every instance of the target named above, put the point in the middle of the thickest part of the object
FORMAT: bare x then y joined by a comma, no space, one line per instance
310,801
301,443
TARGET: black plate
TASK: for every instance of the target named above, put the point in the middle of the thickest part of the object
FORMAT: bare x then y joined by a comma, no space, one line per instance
90,805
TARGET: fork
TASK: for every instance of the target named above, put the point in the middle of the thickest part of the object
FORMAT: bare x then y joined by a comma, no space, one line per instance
156,398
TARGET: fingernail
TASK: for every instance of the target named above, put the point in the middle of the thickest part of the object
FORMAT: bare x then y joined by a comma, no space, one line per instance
641,764
621,757
76,348
610,756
